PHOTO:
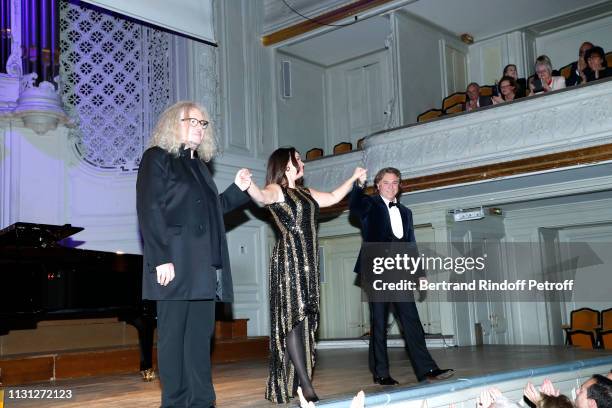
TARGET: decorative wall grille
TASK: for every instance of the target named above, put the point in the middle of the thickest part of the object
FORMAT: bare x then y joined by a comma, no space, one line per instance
116,80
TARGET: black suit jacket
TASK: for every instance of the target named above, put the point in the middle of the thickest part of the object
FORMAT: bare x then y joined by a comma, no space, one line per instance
173,212
604,73
482,101
574,78
375,221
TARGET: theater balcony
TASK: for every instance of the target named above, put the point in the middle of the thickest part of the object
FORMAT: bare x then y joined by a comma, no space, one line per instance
545,133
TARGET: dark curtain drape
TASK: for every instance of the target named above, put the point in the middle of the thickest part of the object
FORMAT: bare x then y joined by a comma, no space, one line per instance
40,38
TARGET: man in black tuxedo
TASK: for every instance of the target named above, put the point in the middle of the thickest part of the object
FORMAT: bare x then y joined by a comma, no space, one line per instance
384,219
186,260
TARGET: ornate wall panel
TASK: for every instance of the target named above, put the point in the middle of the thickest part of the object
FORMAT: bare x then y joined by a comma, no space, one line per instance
206,92
116,80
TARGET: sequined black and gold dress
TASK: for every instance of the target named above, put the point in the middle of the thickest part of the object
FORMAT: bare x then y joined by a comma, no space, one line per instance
294,287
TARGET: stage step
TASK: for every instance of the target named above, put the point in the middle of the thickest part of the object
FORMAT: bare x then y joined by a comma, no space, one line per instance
24,369
432,341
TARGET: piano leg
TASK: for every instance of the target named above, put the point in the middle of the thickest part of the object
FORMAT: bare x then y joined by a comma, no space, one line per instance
145,327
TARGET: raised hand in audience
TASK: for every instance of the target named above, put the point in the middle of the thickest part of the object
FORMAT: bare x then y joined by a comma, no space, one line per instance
497,99
531,393
484,400
548,388
496,394
358,400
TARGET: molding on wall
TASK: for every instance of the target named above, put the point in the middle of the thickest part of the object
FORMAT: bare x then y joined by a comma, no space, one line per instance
359,9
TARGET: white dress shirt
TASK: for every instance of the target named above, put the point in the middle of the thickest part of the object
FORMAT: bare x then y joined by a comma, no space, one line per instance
396,218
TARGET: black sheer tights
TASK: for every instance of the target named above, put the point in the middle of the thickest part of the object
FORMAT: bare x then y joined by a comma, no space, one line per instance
297,353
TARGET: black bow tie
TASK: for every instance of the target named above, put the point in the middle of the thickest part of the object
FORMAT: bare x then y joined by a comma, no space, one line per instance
392,204
185,152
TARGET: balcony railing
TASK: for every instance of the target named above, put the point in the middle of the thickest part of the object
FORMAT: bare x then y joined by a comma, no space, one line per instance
541,133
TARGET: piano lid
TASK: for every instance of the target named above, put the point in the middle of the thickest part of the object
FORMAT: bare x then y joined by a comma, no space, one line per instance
35,235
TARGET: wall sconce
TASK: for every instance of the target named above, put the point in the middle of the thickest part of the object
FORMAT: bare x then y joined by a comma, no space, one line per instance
467,38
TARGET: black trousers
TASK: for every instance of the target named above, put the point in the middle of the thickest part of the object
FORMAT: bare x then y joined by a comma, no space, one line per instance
184,332
407,315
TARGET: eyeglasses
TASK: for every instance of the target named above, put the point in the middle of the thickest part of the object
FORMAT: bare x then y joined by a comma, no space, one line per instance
195,122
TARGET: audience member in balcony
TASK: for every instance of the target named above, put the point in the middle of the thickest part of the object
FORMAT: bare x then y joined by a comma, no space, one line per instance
507,89
577,75
521,84
294,271
473,99
597,66
544,81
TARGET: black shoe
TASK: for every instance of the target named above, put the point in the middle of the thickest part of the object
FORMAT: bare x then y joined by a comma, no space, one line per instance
385,380
312,399
308,397
438,374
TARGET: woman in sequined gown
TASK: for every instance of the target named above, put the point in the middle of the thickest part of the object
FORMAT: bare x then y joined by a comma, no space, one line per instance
294,271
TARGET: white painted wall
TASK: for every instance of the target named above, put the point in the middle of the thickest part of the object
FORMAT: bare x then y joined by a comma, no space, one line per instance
489,57
588,222
301,119
422,82
358,95
456,68
247,81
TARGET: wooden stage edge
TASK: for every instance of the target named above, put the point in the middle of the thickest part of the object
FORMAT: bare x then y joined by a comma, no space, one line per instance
339,374
27,369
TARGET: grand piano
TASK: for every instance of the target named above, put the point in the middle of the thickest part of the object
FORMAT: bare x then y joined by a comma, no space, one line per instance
43,279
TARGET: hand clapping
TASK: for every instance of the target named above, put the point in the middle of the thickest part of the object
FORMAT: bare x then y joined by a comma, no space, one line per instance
534,395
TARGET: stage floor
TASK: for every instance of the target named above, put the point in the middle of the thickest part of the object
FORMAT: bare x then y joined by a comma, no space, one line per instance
339,373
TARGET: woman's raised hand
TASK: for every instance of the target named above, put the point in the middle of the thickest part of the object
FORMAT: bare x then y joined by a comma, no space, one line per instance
360,174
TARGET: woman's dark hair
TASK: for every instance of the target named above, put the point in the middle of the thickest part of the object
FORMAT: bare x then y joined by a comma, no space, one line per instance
506,69
596,50
513,83
550,401
277,165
